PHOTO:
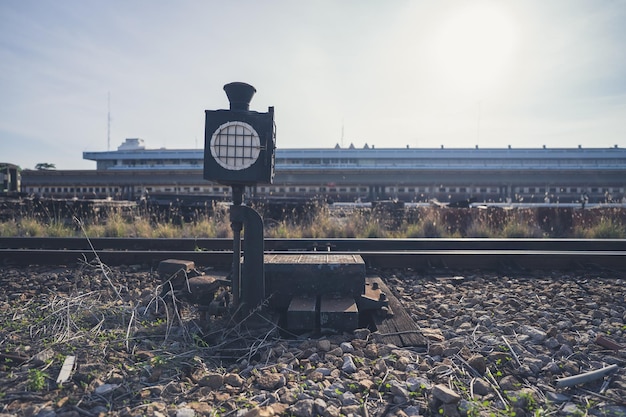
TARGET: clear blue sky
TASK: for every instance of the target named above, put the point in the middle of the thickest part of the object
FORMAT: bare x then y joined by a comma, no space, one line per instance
387,73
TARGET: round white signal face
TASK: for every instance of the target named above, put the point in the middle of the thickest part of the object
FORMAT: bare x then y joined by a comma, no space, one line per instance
235,145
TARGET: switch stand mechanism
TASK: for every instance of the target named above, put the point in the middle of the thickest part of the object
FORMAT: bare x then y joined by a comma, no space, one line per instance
248,281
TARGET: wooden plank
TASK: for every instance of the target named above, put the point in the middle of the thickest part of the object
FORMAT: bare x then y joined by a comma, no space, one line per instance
66,369
400,329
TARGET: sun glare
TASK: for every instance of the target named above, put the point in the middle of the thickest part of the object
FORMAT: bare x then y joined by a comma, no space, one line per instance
473,49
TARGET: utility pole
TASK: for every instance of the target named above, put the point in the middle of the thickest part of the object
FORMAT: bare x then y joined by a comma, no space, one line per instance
108,121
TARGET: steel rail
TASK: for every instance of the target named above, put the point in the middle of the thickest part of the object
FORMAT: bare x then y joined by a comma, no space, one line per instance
417,259
332,244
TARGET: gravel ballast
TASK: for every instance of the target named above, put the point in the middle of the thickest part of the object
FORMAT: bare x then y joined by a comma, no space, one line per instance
498,345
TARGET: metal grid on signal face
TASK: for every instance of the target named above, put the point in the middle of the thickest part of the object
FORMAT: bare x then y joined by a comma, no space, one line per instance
235,146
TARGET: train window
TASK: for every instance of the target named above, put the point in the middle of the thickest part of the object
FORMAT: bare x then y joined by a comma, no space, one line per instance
342,190
594,190
353,189
322,189
281,190
531,189
462,190
411,189
292,189
302,190
401,189
363,189
216,189
542,190
483,190
442,189
552,190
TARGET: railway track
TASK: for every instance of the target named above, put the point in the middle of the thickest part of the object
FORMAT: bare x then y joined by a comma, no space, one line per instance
382,253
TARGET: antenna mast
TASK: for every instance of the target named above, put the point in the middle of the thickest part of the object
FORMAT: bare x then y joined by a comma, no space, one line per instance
342,133
108,121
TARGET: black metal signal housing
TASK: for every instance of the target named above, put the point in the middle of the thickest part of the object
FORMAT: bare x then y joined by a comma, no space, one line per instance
239,143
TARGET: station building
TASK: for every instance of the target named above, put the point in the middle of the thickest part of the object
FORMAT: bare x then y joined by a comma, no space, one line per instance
532,175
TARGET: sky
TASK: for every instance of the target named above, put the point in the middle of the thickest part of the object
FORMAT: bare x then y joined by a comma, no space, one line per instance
81,75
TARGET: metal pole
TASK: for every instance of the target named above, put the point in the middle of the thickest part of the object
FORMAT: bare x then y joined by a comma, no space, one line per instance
236,225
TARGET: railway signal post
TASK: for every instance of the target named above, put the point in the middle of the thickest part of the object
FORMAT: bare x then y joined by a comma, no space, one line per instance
239,151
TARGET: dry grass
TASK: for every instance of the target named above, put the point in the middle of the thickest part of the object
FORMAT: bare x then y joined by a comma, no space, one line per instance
322,221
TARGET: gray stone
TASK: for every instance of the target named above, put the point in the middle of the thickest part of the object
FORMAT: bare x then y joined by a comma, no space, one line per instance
551,343
418,384
334,390
371,351
212,380
445,394
348,398
331,411
412,411
381,367
348,365
324,371
106,388
362,334
571,409
566,350
481,386
450,410
402,363
556,397
536,335
347,347
185,412
479,363
319,405
335,352
351,410
234,380
303,408
270,381
509,383
323,345
398,390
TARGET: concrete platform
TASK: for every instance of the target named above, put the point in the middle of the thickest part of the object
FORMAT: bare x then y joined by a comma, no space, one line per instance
288,276
302,313
338,313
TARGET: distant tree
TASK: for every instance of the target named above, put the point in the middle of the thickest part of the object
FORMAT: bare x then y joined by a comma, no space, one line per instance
44,166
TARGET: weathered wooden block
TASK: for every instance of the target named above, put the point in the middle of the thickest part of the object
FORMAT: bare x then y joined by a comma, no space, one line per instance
288,276
338,313
170,267
302,313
